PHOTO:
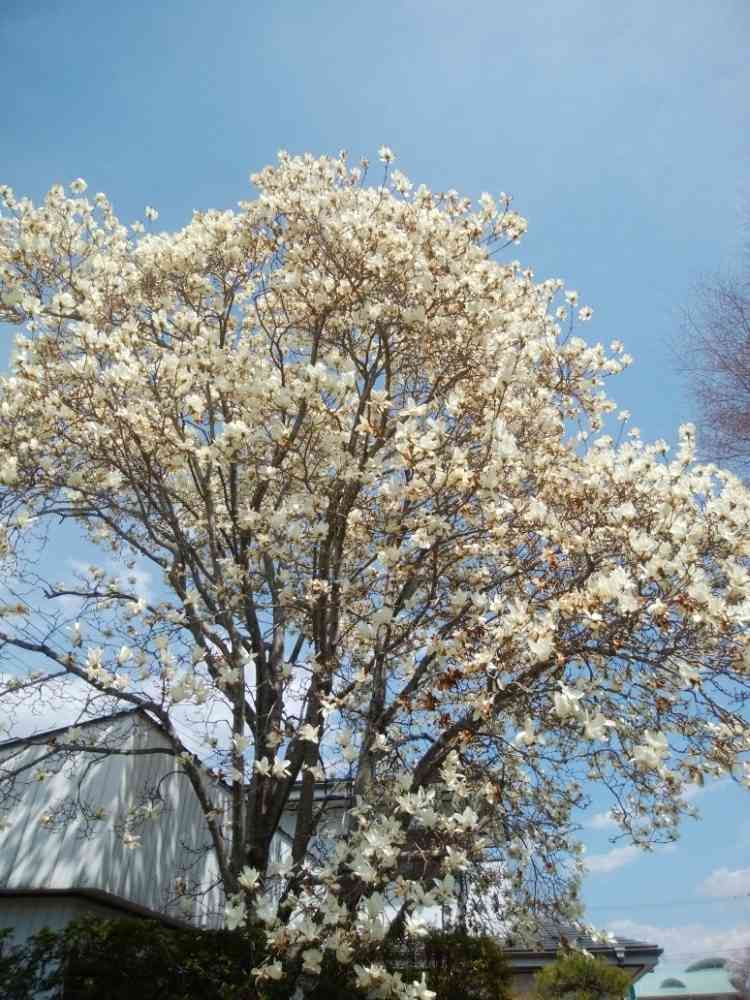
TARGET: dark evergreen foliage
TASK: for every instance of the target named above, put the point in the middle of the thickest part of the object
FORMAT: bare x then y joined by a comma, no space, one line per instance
134,959
461,966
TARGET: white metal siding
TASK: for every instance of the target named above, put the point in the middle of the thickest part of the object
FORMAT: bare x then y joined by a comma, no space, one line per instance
177,842
33,857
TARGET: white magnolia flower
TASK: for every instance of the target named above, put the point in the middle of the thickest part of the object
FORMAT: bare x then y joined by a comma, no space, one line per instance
415,926
234,913
241,743
651,752
311,960
274,971
344,952
280,768
249,878
596,727
419,990
566,702
467,820
528,736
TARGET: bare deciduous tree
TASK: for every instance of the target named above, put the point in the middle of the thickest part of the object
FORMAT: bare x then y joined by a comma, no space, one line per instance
716,358
739,974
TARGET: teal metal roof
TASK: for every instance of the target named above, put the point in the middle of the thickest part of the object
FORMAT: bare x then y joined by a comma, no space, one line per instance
706,977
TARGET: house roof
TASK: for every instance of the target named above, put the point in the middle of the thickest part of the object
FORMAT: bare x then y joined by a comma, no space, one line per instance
331,789
47,734
636,957
100,896
552,936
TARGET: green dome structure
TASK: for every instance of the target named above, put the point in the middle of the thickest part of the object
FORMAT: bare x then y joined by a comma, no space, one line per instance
707,963
705,979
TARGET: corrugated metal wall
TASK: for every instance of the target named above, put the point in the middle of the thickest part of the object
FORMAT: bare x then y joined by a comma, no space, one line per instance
71,853
50,844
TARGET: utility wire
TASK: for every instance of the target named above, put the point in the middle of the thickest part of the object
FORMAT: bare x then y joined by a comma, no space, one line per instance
669,902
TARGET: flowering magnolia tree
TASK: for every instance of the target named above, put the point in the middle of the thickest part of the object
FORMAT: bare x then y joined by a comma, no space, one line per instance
367,461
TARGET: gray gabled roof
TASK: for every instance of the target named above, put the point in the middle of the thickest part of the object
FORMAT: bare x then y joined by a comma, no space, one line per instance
551,938
48,734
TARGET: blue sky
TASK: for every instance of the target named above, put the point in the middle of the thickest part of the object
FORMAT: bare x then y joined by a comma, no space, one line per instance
621,130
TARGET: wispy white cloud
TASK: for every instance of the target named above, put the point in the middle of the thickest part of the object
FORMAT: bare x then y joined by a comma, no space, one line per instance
601,821
611,860
693,792
724,882
686,942
618,857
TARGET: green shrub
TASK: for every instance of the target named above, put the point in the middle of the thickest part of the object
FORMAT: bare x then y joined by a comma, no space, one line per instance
575,976
131,959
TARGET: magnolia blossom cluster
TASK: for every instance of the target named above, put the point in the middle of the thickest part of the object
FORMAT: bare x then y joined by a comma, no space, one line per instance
398,552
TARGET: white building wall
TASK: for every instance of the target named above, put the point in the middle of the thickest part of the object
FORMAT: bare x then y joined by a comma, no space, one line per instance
27,915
